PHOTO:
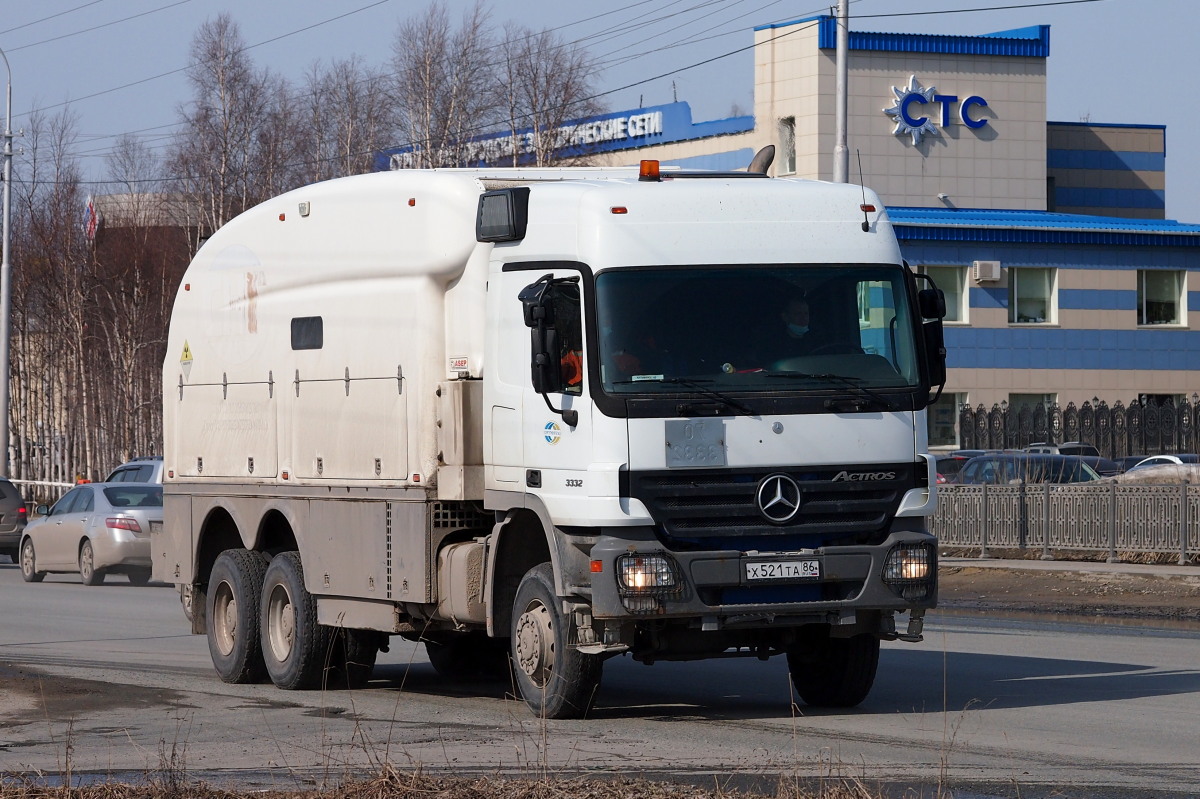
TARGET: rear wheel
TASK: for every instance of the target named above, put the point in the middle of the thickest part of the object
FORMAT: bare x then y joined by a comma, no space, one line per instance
234,590
138,576
88,572
29,572
294,645
556,680
834,672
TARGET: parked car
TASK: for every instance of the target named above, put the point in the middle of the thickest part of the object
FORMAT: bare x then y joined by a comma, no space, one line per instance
949,465
1065,448
1127,462
1005,468
95,529
1104,467
1164,460
12,519
142,469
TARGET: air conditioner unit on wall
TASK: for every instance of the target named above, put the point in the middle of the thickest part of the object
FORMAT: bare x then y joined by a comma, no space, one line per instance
985,271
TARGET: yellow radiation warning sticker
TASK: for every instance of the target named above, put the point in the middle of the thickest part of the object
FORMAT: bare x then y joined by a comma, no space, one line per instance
187,353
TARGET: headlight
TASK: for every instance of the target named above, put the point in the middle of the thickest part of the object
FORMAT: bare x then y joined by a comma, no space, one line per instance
653,575
644,580
911,570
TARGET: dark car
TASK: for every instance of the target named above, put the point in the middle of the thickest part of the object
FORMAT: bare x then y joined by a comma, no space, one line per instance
1006,468
1127,462
949,465
1065,448
1103,466
12,519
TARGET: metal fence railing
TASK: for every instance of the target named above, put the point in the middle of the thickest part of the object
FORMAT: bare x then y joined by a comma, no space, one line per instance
1099,518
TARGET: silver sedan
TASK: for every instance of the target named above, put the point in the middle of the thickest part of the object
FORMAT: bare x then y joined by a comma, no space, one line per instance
95,529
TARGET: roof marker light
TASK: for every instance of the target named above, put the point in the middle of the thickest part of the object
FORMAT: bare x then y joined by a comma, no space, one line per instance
281,217
865,208
649,171
619,209
412,202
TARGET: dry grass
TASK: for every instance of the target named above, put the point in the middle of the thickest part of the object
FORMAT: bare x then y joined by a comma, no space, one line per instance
392,783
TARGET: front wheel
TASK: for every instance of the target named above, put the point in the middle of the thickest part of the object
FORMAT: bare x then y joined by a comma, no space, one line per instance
29,572
834,672
294,645
88,573
234,590
556,680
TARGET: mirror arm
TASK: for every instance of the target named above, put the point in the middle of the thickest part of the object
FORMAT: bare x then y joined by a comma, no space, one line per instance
569,415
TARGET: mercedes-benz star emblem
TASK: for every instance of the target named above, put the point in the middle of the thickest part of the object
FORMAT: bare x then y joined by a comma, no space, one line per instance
778,498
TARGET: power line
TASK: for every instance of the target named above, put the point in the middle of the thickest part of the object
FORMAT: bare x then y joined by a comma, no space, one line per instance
186,67
1043,3
52,16
98,27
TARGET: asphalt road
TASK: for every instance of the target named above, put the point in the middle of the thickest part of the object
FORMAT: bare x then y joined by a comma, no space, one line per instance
108,681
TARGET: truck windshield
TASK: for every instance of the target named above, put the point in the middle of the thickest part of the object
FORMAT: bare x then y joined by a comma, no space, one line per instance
755,328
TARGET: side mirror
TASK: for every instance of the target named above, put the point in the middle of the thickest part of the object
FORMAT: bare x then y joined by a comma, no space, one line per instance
538,311
935,352
931,303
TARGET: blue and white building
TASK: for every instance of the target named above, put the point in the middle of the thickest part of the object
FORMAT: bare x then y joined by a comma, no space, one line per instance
1063,278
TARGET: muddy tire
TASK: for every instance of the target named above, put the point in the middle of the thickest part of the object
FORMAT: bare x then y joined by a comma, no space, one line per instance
88,573
234,593
29,572
834,672
295,647
556,680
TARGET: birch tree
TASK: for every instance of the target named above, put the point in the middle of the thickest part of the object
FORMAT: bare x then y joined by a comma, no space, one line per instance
444,85
546,83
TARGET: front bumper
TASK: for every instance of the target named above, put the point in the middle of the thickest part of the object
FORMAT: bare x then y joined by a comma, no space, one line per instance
714,585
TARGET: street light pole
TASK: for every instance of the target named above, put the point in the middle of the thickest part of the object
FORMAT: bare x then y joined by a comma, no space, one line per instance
6,272
841,149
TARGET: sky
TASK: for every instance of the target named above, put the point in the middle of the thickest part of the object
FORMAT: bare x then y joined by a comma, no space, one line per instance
118,65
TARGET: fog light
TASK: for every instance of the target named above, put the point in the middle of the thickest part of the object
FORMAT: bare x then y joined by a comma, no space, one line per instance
911,570
647,575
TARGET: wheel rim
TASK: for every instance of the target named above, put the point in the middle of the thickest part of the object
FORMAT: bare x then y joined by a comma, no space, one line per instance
281,623
224,620
27,563
535,643
87,563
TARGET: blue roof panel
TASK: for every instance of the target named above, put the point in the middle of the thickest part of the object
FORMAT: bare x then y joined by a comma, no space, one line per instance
1032,41
977,224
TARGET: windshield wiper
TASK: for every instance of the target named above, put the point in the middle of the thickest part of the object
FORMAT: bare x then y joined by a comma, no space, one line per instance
851,382
699,387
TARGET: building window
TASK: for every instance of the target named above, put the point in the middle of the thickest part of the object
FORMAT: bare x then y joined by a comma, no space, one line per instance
1160,297
942,418
1031,297
787,146
952,281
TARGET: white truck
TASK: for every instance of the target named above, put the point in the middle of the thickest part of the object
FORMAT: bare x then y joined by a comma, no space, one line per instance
539,418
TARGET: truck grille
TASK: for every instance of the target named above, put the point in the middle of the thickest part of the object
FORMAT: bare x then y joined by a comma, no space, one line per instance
709,504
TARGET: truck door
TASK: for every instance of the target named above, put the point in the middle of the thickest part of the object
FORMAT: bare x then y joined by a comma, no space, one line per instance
542,440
